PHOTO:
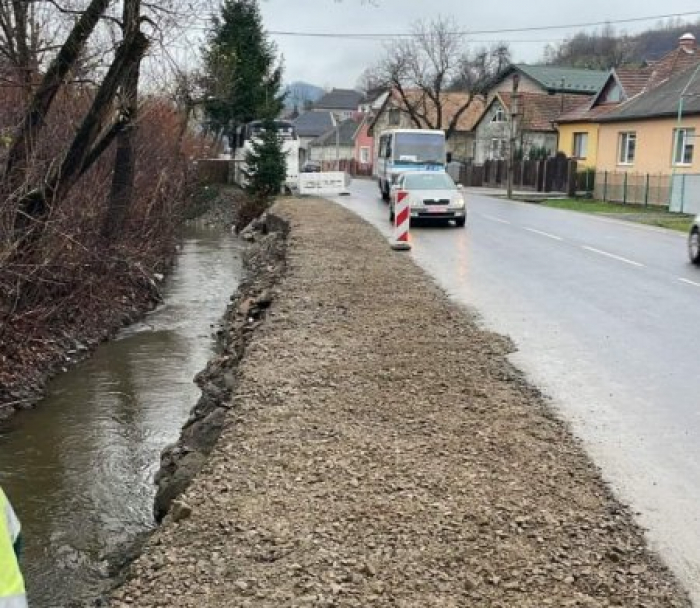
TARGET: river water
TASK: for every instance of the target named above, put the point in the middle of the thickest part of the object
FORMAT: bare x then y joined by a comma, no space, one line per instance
80,467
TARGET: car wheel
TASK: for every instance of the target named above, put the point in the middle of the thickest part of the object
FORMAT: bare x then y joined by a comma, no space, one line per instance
461,222
694,246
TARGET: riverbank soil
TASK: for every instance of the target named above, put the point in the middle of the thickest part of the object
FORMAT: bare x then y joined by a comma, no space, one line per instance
380,450
98,301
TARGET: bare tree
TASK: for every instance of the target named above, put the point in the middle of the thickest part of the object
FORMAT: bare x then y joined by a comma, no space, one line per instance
423,70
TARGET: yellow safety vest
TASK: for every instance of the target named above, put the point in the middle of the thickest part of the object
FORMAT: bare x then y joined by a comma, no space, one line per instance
12,594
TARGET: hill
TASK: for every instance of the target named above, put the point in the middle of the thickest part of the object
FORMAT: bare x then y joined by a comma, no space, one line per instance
301,93
607,48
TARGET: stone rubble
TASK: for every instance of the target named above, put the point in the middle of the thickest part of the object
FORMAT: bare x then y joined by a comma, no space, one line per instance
378,449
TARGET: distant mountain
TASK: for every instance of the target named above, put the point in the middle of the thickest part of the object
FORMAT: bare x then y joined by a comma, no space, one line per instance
300,93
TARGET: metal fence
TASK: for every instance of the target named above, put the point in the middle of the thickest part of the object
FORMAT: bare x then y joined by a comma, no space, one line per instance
633,188
685,195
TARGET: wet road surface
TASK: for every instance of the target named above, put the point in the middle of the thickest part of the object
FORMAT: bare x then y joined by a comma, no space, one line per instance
80,467
606,319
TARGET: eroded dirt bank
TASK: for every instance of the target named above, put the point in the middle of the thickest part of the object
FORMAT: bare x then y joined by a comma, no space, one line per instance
379,450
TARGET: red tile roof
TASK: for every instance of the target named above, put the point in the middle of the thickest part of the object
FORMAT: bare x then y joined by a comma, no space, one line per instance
676,61
633,79
539,111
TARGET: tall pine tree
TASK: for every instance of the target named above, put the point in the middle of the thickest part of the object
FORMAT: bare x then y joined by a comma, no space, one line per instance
242,74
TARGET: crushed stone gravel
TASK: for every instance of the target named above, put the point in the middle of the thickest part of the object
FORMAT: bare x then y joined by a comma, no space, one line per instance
380,450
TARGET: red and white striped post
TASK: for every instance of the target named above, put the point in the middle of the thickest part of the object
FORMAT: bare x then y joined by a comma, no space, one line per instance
402,222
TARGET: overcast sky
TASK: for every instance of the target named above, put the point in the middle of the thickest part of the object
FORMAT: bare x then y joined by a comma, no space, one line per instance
337,62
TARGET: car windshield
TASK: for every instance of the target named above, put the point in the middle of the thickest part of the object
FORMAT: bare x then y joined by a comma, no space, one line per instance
420,148
429,181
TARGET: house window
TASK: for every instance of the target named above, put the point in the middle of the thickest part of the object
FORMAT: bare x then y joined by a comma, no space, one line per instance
627,148
394,117
499,116
498,147
683,144
364,155
580,145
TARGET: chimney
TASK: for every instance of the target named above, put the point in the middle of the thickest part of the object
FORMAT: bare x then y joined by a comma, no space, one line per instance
688,43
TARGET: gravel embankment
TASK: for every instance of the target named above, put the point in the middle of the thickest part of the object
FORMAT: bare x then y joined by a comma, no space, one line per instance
381,451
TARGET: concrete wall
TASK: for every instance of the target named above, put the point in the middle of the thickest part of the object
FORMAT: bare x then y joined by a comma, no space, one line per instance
654,147
566,142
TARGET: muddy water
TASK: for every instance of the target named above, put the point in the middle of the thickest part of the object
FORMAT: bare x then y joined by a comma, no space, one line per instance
79,468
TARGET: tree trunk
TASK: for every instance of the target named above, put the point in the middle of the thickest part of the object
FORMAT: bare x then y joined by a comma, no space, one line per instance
122,191
34,206
23,143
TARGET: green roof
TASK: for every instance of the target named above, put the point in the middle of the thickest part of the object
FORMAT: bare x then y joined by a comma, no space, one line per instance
565,80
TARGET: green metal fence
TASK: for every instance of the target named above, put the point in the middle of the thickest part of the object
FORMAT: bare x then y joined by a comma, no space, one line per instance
633,188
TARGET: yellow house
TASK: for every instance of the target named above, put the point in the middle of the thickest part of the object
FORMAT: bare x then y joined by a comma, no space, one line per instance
646,134
580,131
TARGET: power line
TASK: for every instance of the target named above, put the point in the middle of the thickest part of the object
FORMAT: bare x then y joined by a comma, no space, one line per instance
541,28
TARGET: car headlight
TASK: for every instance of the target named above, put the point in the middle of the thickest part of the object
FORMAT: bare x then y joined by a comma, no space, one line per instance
458,201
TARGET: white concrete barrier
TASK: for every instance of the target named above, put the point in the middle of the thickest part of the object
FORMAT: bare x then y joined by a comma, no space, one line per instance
324,184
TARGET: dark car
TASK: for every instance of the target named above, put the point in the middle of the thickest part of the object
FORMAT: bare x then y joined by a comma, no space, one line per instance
311,167
694,242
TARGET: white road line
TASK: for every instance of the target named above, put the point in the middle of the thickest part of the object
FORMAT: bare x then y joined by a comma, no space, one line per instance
550,236
613,256
496,219
688,281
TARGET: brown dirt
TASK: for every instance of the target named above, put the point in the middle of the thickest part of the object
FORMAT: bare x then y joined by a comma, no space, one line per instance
381,451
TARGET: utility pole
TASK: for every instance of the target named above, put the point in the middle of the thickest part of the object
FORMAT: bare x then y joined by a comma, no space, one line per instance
676,137
513,132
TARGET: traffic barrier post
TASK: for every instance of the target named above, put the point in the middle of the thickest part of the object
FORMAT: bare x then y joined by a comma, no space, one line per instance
402,222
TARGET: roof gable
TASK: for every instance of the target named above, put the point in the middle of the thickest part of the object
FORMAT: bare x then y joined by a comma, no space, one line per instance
340,99
538,111
564,80
451,103
313,123
662,100
345,134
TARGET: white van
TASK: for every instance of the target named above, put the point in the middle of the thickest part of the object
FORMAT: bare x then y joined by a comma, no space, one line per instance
402,150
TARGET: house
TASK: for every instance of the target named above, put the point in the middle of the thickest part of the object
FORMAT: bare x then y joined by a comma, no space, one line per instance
550,80
535,128
309,126
646,135
336,144
364,141
344,103
364,146
416,111
578,130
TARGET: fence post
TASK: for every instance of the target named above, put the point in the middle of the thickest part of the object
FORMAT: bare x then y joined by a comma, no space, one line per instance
682,193
571,186
624,189
646,192
605,187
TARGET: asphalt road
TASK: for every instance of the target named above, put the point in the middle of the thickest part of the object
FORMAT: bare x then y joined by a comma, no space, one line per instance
606,319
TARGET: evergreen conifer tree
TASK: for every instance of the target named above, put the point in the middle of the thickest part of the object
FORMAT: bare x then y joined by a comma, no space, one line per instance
266,164
242,75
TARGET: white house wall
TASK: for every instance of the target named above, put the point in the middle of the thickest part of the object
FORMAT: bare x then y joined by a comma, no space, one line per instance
487,131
